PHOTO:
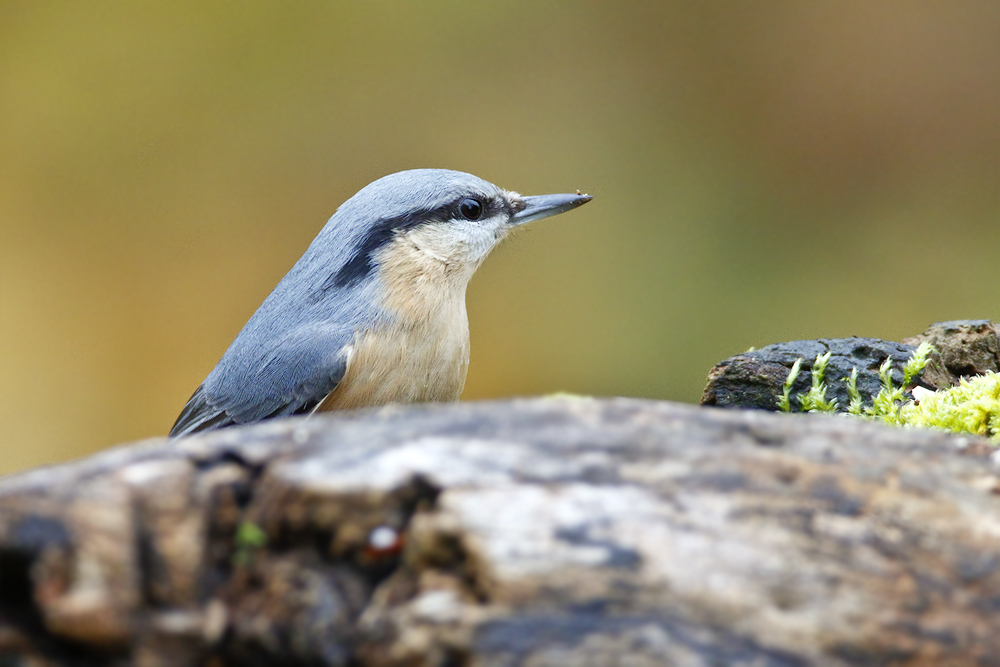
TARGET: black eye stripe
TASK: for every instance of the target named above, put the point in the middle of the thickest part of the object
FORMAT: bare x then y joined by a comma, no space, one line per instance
381,233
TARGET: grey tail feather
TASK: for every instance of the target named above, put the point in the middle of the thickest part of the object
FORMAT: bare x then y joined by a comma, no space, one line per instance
199,415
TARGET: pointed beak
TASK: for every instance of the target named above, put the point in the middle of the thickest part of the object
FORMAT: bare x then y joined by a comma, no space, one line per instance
542,206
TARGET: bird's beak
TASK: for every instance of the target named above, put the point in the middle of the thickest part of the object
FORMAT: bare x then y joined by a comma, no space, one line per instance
542,206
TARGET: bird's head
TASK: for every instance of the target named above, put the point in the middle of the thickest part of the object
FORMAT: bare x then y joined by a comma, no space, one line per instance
433,222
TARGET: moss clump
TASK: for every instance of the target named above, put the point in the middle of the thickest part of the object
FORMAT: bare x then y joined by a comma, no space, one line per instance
885,405
249,539
815,399
972,407
785,400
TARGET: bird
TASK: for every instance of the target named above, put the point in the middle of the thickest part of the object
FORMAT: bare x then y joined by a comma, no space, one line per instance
374,311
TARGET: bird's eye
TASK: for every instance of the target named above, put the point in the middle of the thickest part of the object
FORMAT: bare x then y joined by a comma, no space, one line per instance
471,209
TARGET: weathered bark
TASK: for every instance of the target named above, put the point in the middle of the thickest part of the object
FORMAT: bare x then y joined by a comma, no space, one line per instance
543,532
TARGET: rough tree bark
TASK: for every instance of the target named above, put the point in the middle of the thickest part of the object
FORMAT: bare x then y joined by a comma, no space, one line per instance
541,532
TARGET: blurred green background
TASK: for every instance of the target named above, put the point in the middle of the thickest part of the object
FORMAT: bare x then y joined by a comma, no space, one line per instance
762,172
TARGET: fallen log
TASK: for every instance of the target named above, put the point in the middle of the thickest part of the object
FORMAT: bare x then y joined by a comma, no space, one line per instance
543,532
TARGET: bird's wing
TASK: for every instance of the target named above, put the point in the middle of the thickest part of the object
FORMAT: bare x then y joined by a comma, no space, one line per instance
292,378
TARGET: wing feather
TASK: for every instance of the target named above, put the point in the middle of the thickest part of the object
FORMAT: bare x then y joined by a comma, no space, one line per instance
299,371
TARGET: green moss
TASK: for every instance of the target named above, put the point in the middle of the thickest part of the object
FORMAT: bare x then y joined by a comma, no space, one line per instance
785,400
566,396
250,536
972,407
854,407
887,404
249,539
815,399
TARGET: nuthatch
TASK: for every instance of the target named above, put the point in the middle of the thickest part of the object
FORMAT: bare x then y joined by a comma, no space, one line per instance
374,311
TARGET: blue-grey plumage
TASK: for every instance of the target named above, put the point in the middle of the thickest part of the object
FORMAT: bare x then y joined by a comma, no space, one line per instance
374,311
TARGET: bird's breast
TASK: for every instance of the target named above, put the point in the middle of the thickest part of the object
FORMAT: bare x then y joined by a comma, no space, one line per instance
420,350
403,363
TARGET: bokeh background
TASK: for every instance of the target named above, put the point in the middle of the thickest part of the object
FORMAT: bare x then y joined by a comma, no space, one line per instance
762,172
